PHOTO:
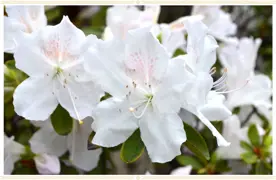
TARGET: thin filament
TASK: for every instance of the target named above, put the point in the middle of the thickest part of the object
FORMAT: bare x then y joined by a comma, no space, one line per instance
144,110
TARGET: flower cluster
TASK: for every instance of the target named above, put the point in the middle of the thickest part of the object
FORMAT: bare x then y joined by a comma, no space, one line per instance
130,81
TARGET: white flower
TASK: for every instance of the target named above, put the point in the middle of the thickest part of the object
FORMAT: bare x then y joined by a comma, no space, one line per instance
52,58
21,20
234,133
47,164
219,22
240,62
46,140
12,152
198,97
120,19
143,83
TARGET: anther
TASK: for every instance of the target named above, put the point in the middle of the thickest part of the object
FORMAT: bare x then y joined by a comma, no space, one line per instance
131,109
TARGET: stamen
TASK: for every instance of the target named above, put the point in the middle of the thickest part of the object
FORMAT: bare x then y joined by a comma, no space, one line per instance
222,78
233,90
144,110
131,109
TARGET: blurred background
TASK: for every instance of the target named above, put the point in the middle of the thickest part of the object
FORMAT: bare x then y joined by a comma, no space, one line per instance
252,21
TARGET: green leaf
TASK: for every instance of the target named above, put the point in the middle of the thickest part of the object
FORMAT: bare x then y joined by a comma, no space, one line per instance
260,168
222,166
61,121
246,146
210,139
196,143
178,52
267,141
253,135
249,157
132,148
189,160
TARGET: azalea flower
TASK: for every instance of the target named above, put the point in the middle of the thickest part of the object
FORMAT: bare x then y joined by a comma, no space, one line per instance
240,62
219,22
21,20
234,133
203,96
12,153
52,58
143,83
120,19
46,140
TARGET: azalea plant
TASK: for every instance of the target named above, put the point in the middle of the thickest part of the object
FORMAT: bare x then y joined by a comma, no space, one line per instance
109,89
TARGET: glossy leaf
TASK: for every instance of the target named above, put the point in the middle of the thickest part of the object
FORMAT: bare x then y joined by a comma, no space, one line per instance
132,148
189,160
61,121
196,143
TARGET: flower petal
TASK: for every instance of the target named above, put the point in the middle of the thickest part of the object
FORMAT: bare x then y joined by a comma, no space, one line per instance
80,156
257,92
47,164
12,31
29,59
215,109
31,17
61,44
168,96
78,98
33,98
231,131
162,135
200,47
220,139
147,59
12,152
113,131
182,171
105,67
46,140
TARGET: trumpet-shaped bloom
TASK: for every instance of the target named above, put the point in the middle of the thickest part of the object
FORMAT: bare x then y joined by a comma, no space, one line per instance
52,58
234,133
120,19
240,62
219,22
202,96
46,140
143,83
21,20
12,152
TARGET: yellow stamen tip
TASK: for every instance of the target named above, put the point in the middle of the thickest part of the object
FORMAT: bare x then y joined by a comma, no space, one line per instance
80,122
